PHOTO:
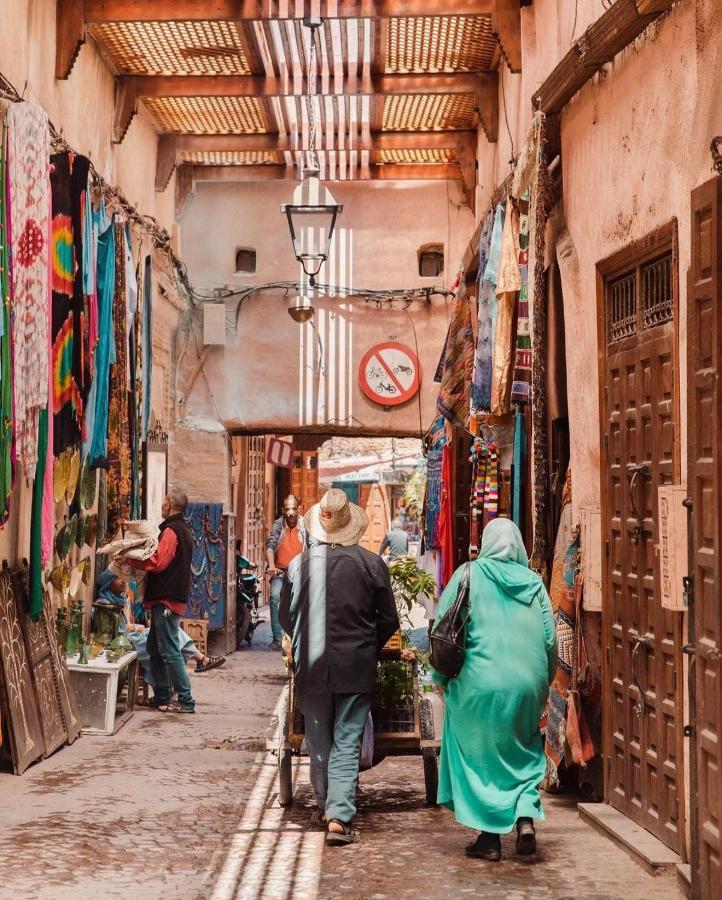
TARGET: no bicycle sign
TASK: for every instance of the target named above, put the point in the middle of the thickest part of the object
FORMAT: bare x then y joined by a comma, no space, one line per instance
389,374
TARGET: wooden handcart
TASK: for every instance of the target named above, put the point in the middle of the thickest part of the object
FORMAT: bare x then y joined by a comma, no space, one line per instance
415,737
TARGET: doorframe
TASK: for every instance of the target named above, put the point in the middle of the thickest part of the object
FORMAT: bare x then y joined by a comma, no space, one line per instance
636,252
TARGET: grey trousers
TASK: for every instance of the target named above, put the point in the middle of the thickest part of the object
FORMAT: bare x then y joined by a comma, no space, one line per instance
334,728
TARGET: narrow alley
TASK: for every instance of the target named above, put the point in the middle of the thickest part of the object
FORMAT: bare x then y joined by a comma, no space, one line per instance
360,460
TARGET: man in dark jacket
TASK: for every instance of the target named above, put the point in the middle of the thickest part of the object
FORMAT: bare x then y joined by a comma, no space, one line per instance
338,606
166,594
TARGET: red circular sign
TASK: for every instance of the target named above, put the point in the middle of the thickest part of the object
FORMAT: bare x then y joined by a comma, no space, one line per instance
389,374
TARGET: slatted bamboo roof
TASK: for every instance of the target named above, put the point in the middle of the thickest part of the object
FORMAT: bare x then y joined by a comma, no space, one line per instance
400,84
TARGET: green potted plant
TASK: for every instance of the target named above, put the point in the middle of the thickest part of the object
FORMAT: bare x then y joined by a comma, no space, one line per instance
408,583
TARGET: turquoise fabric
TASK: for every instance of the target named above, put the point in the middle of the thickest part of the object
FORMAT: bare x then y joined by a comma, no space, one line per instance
97,428
492,758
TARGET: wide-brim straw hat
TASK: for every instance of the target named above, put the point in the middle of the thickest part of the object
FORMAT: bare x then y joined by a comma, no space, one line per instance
335,520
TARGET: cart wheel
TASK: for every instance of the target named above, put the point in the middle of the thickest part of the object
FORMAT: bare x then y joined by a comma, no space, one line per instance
429,754
285,778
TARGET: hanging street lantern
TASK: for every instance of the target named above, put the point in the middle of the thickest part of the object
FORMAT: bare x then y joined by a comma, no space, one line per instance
312,215
300,309
312,212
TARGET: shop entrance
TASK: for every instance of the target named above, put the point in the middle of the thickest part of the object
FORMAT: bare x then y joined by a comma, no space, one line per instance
643,641
704,369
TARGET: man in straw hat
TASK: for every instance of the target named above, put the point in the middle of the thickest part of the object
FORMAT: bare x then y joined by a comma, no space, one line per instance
338,606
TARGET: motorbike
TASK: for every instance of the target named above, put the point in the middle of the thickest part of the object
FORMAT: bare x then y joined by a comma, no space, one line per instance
247,594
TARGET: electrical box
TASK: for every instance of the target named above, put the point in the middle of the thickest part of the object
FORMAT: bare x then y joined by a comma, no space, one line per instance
591,550
214,324
672,547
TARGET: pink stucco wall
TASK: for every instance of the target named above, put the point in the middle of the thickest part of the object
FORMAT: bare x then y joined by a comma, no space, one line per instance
276,375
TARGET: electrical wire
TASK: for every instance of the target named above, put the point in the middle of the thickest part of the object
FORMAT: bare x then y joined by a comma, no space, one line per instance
512,161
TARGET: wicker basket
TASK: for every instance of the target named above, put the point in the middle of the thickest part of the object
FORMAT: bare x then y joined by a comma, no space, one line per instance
393,645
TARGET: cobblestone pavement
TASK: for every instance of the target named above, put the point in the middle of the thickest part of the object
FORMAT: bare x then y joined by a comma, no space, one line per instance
143,813
187,806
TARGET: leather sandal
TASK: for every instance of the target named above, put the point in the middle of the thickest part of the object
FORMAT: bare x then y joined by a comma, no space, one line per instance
349,835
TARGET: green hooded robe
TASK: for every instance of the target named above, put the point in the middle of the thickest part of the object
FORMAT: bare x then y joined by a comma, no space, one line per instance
492,757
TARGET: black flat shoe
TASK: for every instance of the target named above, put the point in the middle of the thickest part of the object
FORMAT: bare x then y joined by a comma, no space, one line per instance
486,846
525,837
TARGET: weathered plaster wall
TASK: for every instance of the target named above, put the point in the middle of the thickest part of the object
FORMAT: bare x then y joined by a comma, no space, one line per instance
275,375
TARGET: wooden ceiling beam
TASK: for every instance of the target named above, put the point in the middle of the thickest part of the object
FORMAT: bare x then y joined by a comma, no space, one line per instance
69,35
170,146
132,88
103,11
506,26
377,172
486,98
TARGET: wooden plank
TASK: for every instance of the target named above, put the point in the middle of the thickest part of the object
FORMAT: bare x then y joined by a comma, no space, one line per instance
262,86
382,140
69,35
165,160
506,25
599,44
99,11
386,172
486,95
642,846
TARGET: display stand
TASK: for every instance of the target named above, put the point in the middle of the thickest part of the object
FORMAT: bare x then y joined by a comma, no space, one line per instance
105,691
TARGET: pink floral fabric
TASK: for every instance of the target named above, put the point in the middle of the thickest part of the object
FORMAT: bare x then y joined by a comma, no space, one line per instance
28,158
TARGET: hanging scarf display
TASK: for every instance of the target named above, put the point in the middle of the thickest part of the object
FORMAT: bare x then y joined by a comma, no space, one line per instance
6,368
136,404
432,497
36,590
481,377
507,286
208,563
445,524
67,305
147,344
541,207
28,152
518,470
118,487
97,419
521,386
478,485
491,485
455,390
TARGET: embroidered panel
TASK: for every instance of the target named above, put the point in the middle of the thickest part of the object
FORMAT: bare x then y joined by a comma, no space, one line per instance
26,735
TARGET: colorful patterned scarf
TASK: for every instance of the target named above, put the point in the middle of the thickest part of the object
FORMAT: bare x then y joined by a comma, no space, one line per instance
481,377
118,485
69,175
521,386
432,497
207,563
455,391
478,485
7,459
28,152
491,485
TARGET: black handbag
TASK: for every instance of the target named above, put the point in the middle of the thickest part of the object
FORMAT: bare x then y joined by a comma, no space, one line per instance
448,639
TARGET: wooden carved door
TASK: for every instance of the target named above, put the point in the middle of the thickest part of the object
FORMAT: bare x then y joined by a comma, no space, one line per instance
704,369
254,531
304,478
643,715
374,499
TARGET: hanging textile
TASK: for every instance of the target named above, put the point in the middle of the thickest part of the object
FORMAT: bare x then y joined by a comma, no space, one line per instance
541,207
478,487
147,356
28,152
455,391
481,376
508,283
565,536
208,563
67,307
97,418
80,175
491,484
521,386
432,497
118,485
6,369
36,590
518,470
445,524
136,400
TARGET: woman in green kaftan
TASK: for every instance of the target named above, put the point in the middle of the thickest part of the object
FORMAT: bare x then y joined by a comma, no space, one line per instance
492,758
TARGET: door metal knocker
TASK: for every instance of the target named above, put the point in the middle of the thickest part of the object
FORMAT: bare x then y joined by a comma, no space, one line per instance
634,470
646,641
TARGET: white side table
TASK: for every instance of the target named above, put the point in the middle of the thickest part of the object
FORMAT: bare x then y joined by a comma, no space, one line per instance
105,691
